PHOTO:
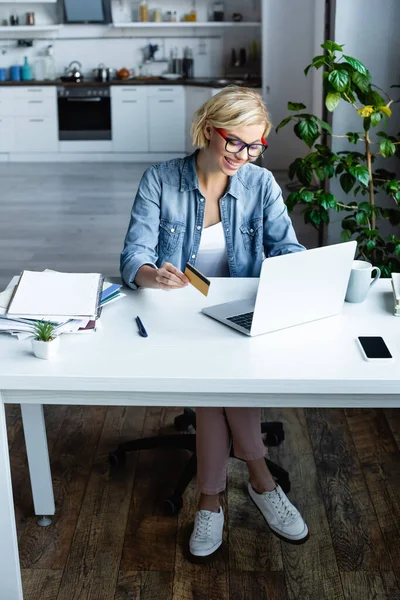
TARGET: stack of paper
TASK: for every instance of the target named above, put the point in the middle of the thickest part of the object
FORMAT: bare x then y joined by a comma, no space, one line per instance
72,301
396,293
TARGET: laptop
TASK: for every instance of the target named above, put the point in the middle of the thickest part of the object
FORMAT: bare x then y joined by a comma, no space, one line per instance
293,289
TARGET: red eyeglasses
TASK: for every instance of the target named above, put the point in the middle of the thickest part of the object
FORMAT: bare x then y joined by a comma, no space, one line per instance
235,145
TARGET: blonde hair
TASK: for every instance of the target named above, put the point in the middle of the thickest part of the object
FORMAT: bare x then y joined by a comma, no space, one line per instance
232,107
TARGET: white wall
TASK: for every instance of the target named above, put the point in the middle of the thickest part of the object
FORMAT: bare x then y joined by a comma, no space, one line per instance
292,32
370,32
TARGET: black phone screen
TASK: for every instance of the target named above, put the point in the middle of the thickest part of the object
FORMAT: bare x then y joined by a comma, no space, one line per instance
374,347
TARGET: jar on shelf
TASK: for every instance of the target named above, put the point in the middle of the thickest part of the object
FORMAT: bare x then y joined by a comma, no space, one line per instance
143,11
157,17
218,11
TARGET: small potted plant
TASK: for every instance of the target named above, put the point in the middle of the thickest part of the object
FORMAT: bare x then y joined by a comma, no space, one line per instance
45,344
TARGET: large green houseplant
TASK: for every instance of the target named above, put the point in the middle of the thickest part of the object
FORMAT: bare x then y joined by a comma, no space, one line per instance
347,79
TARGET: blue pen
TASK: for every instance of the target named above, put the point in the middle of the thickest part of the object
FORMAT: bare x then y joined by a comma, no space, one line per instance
142,330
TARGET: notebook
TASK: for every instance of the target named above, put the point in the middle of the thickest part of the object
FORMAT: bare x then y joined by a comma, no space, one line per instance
52,296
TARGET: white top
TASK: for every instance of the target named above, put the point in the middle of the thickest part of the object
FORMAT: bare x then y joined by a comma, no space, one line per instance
212,257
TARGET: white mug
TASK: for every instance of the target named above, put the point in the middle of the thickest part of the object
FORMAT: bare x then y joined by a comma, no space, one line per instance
360,280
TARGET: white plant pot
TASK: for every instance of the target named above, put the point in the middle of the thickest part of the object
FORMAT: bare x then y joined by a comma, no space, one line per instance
46,350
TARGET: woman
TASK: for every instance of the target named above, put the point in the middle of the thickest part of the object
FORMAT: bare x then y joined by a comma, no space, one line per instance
219,212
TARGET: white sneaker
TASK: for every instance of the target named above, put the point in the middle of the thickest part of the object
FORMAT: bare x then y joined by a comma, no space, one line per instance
282,517
206,537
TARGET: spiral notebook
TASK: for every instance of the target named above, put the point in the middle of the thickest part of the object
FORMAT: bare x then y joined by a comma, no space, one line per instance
54,296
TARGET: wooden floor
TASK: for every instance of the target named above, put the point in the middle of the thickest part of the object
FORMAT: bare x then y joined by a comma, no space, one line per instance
109,539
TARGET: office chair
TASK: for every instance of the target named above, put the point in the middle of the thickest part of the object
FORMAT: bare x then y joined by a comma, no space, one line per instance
187,441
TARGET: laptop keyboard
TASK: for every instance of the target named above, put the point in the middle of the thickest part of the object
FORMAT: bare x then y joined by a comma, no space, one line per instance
243,320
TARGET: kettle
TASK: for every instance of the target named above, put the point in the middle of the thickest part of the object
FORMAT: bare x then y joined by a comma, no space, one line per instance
100,74
74,71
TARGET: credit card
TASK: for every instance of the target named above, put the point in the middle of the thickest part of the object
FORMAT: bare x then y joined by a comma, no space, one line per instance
197,279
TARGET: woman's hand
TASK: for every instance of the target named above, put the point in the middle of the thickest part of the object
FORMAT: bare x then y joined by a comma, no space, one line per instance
169,278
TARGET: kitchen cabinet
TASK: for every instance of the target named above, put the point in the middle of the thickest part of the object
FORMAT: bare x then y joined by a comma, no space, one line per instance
35,134
129,119
6,120
166,123
6,134
35,120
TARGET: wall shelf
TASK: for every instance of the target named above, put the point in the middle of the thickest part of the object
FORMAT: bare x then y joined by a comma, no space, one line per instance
30,28
186,24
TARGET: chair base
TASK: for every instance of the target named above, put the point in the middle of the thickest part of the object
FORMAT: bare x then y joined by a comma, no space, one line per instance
187,441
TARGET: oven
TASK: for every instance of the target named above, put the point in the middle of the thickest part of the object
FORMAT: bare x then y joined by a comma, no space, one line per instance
84,118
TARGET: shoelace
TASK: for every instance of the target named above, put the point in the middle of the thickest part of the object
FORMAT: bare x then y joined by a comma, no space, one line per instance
203,524
282,505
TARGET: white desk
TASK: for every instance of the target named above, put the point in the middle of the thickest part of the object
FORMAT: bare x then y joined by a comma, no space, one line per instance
187,360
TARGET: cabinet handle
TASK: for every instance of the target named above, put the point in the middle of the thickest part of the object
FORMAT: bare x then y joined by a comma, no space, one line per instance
165,90
36,120
129,101
35,90
35,101
165,101
129,89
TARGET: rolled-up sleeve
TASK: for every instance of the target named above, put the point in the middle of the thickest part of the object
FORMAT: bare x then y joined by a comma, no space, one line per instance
279,235
140,246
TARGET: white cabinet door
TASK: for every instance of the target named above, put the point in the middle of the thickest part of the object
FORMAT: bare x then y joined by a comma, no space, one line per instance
6,134
166,124
129,120
36,134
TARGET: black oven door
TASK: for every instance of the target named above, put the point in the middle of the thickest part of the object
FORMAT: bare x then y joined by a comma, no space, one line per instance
84,119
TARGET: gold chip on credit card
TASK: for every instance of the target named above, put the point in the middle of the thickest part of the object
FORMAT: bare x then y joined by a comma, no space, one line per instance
197,279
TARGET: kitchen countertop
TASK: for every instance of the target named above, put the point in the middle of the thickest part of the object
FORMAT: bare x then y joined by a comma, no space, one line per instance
198,82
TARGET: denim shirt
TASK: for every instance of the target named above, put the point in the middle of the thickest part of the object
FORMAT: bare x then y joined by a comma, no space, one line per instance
168,211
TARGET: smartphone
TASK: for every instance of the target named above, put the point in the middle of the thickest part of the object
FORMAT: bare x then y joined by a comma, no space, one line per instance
374,348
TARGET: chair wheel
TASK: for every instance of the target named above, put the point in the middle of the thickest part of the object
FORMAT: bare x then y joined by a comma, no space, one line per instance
116,458
172,505
271,439
181,423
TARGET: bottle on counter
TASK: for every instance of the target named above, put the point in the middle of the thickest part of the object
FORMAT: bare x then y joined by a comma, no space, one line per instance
50,69
26,71
187,63
143,11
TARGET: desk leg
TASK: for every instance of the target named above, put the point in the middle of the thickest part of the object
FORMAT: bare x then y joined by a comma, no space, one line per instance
38,460
10,573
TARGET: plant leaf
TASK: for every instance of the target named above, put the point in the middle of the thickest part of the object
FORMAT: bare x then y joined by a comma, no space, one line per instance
330,46
347,181
361,81
296,106
346,235
362,218
283,123
339,79
307,196
360,172
356,64
387,148
375,119
323,124
375,99
332,100
307,131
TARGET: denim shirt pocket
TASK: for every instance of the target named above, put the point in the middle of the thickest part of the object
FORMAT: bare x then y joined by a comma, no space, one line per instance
171,233
252,235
